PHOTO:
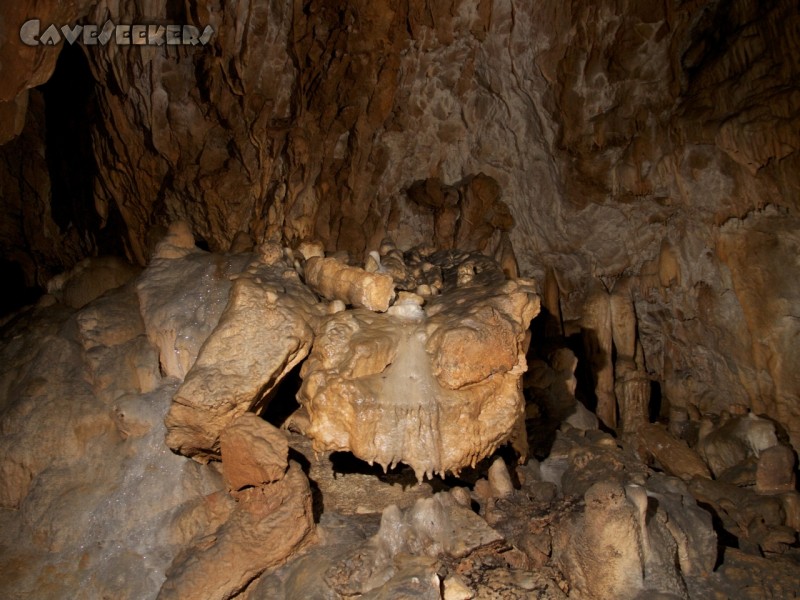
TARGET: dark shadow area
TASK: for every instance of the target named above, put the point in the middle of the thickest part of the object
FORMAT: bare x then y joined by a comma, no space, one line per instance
17,293
541,433
725,539
552,405
546,331
655,408
584,391
652,509
317,501
70,111
346,463
281,403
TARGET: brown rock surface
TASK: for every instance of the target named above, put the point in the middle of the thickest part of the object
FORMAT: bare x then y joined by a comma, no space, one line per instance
674,456
776,470
265,330
253,452
656,144
268,524
416,386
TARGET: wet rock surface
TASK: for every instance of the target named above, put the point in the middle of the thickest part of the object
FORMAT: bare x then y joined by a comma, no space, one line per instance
700,508
437,387
265,330
647,151
639,161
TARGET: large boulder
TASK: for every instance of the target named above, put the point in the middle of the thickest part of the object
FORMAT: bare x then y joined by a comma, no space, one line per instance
437,387
265,330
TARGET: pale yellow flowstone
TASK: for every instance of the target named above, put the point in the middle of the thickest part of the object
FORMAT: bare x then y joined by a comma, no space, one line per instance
433,380
437,387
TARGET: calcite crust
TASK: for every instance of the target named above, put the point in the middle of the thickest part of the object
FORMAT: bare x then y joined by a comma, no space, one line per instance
437,388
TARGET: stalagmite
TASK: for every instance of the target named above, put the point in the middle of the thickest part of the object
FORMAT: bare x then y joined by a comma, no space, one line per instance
597,334
631,385
610,522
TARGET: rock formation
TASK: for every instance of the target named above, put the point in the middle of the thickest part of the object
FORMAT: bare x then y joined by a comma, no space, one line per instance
267,524
604,554
656,145
351,285
265,330
371,189
438,386
597,517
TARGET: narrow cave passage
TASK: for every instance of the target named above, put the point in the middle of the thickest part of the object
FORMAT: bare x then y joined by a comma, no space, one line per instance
70,110
71,116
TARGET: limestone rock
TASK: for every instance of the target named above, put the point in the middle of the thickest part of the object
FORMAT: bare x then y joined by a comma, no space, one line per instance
433,527
456,589
688,524
335,280
253,452
119,358
96,491
499,479
414,577
734,440
776,470
90,279
265,330
610,525
674,456
311,250
759,521
42,375
438,390
177,243
181,299
268,525
110,321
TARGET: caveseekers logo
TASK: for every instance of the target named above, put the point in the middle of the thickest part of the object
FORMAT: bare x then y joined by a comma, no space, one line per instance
31,34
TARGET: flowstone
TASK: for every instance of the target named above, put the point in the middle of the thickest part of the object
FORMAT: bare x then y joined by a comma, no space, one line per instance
435,386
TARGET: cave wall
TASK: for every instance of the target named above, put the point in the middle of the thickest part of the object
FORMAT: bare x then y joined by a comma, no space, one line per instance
647,148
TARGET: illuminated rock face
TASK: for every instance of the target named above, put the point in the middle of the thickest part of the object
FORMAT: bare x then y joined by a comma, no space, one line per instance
436,387
265,330
337,281
655,142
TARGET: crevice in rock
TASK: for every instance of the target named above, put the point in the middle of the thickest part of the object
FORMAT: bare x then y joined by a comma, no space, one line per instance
656,408
17,292
70,111
282,401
